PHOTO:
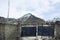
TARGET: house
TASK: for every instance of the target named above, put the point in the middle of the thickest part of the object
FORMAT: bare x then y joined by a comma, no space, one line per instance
12,28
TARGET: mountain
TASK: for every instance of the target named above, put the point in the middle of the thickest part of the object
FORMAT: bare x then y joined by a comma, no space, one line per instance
29,18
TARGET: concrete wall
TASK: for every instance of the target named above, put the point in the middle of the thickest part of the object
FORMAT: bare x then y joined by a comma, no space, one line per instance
2,31
57,31
38,38
11,32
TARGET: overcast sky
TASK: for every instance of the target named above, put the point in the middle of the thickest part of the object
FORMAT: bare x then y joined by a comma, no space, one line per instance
45,9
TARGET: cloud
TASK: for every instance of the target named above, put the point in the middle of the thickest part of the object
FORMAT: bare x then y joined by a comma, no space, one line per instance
54,1
40,8
55,12
35,6
52,9
3,8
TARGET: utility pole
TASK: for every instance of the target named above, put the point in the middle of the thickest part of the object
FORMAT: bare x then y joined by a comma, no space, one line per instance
8,8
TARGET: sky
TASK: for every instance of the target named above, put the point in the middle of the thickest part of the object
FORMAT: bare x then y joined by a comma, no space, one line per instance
45,9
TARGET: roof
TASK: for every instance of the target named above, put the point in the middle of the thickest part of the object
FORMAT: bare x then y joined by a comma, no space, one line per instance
29,18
